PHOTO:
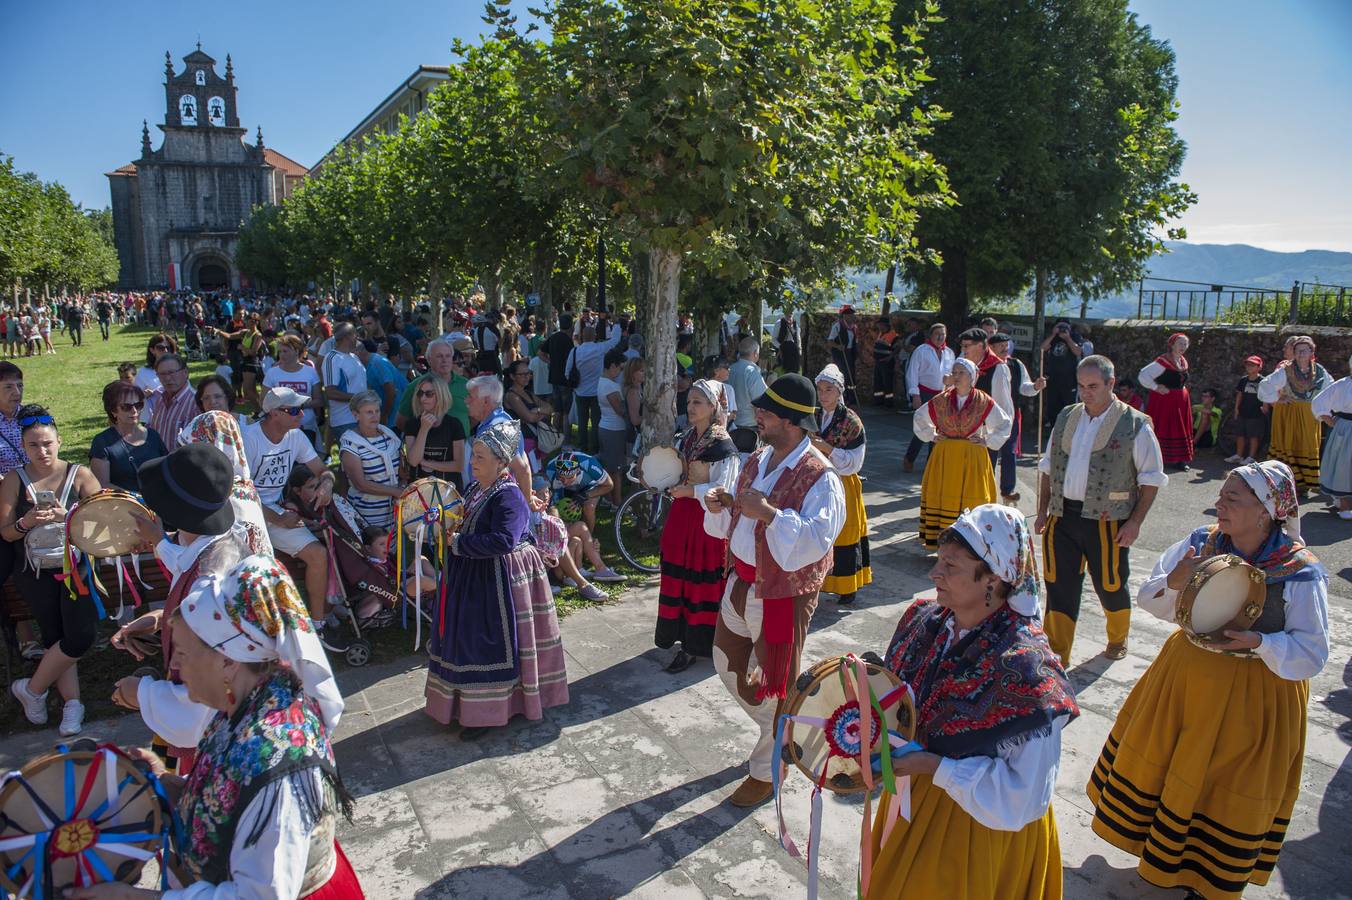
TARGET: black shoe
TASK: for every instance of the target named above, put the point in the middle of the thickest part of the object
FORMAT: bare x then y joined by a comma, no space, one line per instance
333,639
681,661
473,734
845,599
1182,466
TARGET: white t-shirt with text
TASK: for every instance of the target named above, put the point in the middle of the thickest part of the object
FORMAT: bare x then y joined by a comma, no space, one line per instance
270,463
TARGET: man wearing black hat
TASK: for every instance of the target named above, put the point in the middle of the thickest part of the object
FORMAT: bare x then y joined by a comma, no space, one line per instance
781,524
189,492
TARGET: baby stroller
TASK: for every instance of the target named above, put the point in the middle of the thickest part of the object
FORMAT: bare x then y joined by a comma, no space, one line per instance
192,340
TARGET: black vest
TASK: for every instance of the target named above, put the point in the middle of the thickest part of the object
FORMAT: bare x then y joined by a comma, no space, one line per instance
1273,617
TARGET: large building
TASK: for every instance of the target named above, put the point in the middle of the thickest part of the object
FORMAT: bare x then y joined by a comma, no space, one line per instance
177,210
409,99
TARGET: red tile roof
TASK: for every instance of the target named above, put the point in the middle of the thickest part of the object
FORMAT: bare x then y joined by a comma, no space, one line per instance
128,169
289,166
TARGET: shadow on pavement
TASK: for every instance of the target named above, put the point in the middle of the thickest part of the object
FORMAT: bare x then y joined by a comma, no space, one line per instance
621,869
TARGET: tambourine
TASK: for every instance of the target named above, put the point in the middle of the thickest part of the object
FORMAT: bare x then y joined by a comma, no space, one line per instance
77,817
103,525
430,500
661,468
823,731
1223,594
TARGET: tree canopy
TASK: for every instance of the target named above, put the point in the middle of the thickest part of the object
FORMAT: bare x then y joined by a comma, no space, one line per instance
48,240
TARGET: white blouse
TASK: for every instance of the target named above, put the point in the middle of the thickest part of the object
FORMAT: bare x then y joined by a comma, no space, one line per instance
1007,791
994,431
1335,398
796,537
1146,378
1297,653
1270,388
845,462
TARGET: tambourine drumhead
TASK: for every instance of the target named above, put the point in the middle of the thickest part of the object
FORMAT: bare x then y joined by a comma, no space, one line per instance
426,493
830,755
697,472
111,798
661,468
103,525
1224,593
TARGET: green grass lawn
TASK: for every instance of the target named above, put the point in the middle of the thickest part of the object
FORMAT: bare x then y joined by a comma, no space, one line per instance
70,383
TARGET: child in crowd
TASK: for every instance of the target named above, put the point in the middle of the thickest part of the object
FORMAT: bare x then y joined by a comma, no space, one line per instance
564,544
1125,390
1206,420
223,368
1250,414
126,372
421,579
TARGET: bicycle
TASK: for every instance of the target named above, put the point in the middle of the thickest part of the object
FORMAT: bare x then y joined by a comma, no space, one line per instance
638,528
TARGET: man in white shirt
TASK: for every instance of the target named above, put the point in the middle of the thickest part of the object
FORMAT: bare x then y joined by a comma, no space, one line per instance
273,446
790,489
925,373
1092,498
587,358
344,378
1001,346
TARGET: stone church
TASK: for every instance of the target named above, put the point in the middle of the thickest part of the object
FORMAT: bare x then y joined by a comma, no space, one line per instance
177,210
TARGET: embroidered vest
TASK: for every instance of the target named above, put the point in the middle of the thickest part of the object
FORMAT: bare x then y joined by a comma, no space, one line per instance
788,493
1110,490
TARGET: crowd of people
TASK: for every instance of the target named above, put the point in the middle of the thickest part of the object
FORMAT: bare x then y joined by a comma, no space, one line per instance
319,417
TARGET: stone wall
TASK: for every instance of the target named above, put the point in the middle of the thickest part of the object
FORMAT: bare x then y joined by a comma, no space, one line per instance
1217,353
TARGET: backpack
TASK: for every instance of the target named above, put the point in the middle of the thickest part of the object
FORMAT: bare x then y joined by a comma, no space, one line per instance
45,545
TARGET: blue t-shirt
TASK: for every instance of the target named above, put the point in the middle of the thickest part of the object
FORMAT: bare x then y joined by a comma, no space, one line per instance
593,472
380,372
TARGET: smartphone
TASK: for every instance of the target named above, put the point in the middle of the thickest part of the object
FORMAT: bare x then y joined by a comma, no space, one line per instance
45,499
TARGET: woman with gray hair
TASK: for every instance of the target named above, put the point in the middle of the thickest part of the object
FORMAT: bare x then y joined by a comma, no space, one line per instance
370,458
495,651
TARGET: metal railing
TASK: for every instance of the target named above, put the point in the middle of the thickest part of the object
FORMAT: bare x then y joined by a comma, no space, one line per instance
1305,303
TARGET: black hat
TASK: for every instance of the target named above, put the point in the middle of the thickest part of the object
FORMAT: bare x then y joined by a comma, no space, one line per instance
190,489
791,397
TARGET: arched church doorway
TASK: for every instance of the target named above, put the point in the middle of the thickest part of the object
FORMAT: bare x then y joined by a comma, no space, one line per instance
211,275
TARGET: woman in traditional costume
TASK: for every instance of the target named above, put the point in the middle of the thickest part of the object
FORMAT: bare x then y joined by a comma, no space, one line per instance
1333,407
496,651
991,699
841,440
965,424
260,823
693,562
1201,770
1169,406
1290,389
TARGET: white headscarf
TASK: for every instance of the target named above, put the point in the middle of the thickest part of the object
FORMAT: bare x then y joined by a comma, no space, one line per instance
1000,536
254,613
965,363
832,375
1274,485
714,390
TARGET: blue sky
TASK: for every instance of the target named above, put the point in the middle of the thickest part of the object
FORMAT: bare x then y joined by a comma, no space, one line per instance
1266,92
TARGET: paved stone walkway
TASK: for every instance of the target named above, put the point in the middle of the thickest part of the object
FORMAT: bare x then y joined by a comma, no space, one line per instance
621,792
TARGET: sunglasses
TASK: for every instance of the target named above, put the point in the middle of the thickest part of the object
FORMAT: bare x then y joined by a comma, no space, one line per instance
290,410
26,421
427,393
131,407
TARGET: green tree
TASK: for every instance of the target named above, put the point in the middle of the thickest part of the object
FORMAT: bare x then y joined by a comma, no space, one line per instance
688,122
261,250
1060,147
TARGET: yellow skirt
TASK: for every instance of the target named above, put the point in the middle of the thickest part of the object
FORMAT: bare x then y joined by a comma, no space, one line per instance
944,852
1201,770
958,476
851,569
1296,436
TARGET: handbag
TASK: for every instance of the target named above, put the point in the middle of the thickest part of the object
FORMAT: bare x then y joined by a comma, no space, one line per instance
547,437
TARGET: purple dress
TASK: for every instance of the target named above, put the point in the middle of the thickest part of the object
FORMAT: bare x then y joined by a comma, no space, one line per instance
496,650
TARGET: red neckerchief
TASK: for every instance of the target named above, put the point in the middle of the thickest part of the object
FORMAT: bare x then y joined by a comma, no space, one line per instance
990,361
938,348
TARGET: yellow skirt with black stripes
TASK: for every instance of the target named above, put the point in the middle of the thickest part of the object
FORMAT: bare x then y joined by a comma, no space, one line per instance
944,852
850,569
1296,437
1200,773
958,476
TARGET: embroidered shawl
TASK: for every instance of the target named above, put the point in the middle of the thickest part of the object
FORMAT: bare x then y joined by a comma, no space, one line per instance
1304,386
952,422
999,683
713,445
1280,557
845,430
274,733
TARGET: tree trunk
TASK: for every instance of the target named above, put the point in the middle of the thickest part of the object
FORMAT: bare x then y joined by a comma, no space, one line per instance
755,319
953,301
1039,316
659,348
600,271
492,282
887,287
639,280
434,290
542,277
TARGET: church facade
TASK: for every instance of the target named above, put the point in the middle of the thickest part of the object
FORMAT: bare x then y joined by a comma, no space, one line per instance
177,210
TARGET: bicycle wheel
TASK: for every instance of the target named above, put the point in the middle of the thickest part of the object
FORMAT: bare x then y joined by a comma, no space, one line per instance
638,529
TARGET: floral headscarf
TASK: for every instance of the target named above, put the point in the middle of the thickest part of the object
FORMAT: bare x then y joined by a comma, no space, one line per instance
1274,485
254,613
221,431
1000,536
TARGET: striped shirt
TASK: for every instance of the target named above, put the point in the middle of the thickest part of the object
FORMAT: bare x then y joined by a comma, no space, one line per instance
379,458
168,416
12,454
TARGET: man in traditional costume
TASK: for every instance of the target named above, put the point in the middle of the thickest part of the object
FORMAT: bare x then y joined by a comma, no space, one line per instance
842,441
965,424
1096,484
991,701
1200,773
788,510
926,375
1008,454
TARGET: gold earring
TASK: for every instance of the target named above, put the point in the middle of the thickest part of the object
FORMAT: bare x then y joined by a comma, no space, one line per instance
229,693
